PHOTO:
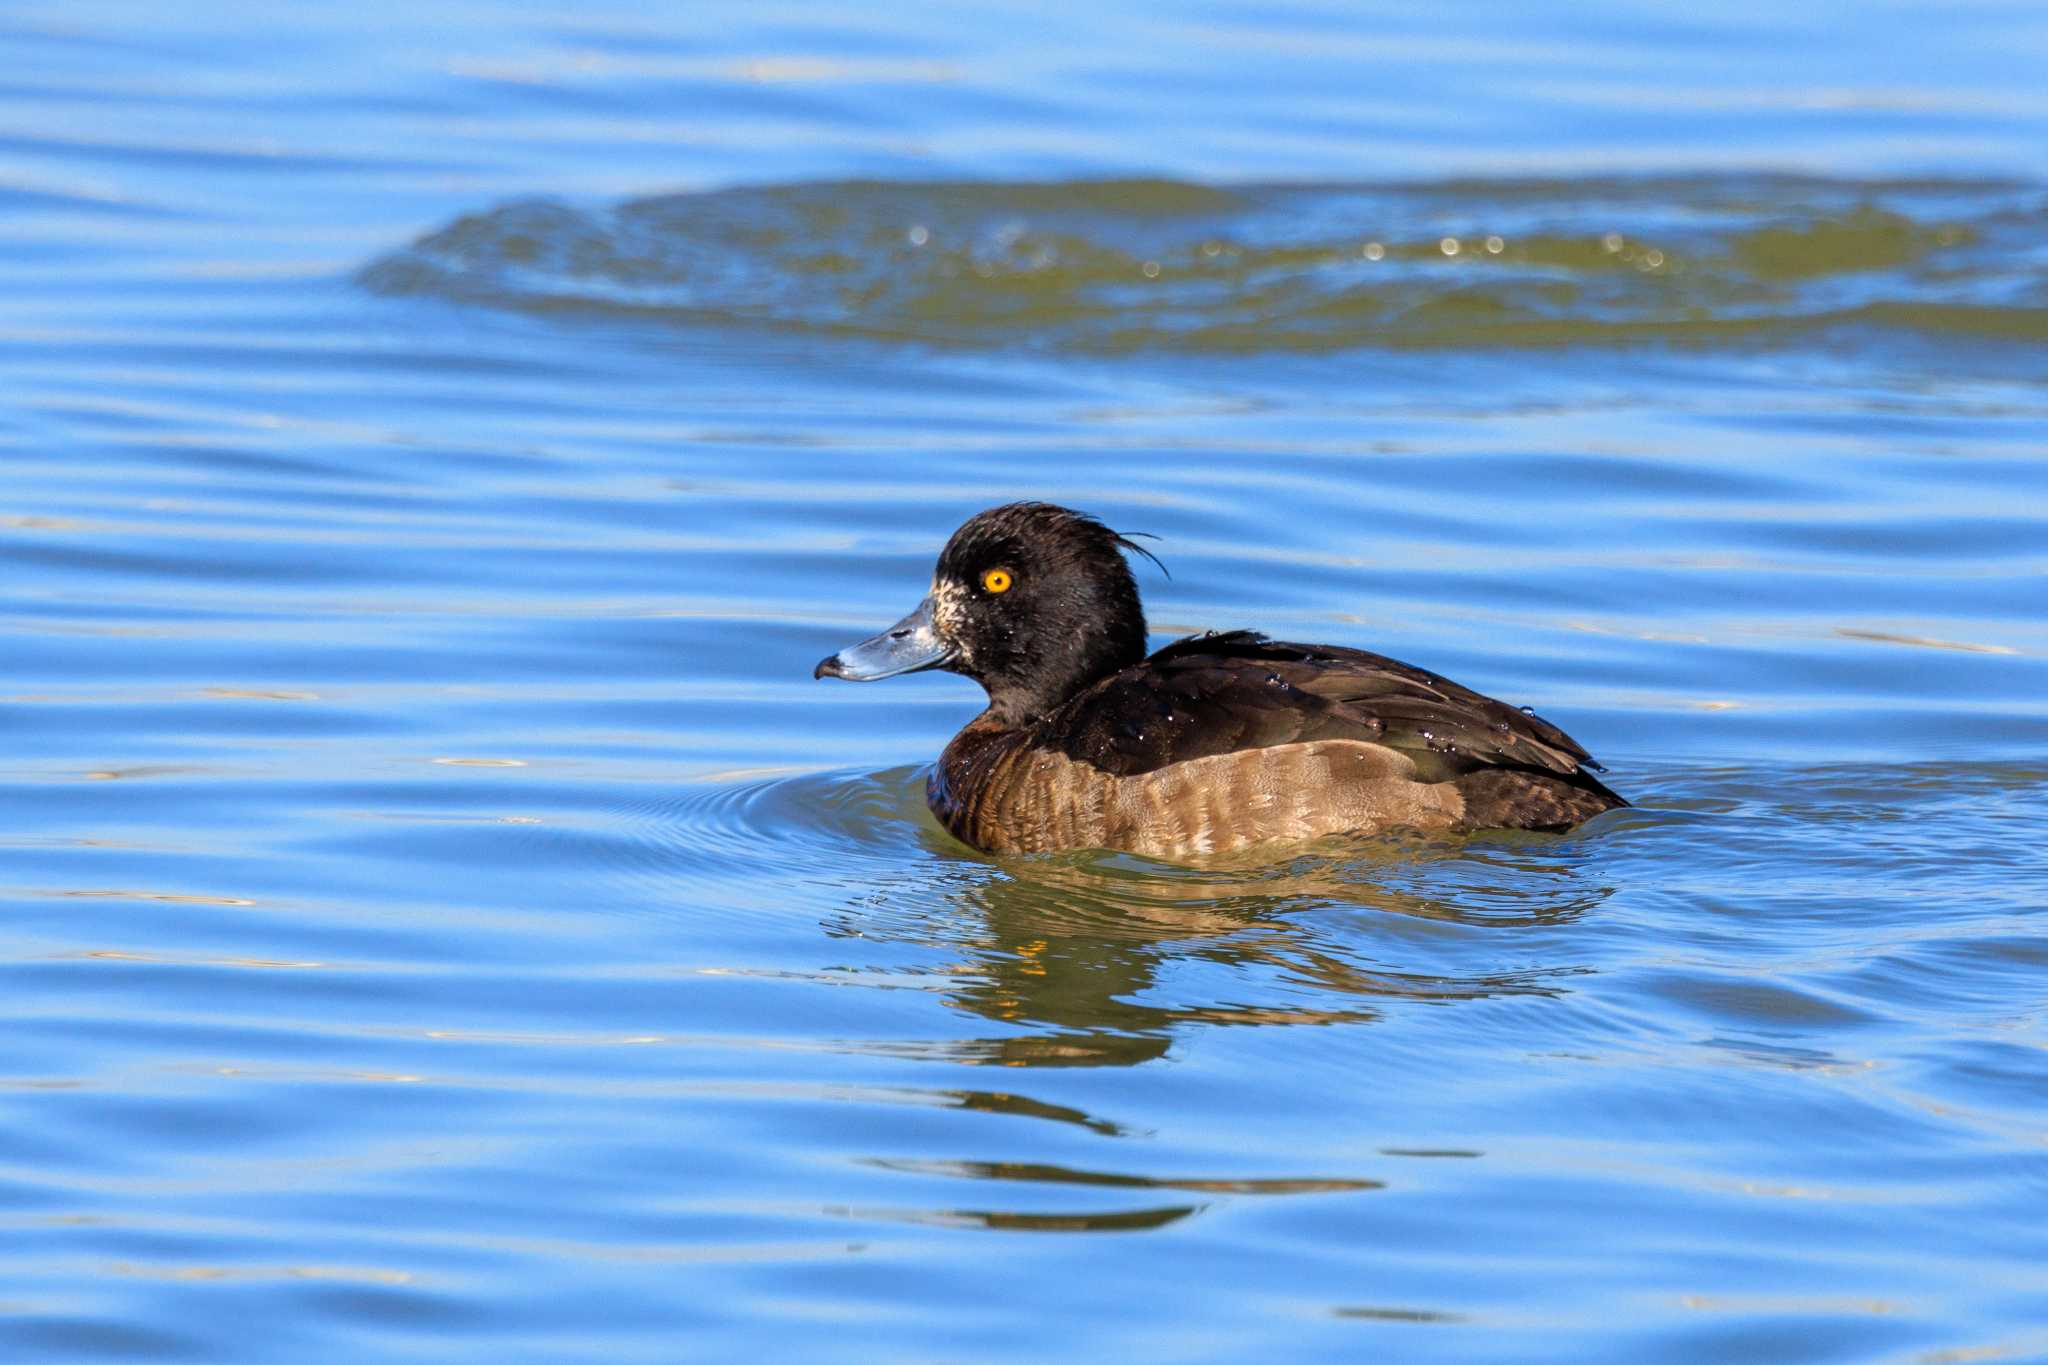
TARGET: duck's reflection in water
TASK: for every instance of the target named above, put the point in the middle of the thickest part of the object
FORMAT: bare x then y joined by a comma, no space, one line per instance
1105,960
1072,950
1117,1220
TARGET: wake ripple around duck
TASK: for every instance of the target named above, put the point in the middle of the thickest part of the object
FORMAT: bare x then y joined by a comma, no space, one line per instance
1097,958
864,844
711,841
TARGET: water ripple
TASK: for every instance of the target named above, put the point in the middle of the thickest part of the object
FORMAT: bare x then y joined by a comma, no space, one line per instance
1153,265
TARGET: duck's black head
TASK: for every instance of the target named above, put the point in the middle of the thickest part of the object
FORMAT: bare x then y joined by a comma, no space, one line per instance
1032,601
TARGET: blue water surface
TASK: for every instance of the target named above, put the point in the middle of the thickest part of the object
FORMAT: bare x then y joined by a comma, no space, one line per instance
440,917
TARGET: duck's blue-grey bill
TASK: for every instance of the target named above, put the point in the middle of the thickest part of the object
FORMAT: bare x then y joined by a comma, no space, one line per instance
909,645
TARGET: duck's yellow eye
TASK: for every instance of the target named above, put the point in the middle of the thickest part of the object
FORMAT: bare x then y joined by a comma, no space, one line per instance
997,580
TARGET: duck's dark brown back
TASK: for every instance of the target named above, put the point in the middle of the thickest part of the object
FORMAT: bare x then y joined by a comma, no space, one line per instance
1215,693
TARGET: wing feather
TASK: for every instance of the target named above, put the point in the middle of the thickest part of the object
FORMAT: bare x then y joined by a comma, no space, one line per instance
1212,694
